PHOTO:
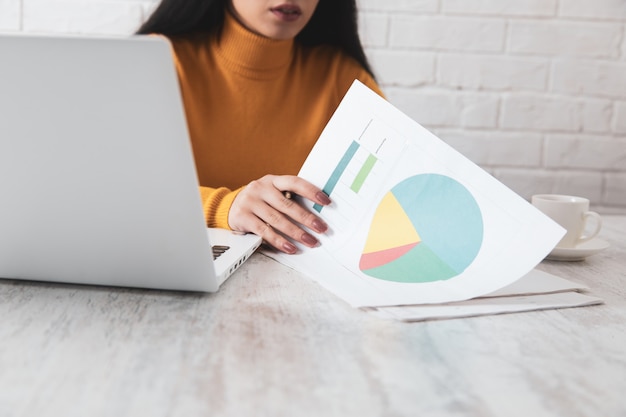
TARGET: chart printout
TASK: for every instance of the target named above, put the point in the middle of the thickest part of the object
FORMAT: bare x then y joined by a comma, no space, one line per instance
360,174
412,221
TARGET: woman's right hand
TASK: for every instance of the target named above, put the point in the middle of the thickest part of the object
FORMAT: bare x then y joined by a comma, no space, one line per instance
263,208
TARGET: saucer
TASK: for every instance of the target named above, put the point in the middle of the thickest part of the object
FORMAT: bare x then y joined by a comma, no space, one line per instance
580,252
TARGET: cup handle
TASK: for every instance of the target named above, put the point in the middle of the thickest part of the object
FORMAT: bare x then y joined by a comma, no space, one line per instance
588,215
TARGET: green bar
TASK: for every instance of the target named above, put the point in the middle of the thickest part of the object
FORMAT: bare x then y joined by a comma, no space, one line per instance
363,173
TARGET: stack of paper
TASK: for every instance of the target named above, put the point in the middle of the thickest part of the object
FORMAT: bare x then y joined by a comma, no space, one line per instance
416,229
535,291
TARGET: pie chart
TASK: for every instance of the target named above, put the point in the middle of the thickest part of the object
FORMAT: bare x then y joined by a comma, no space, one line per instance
427,228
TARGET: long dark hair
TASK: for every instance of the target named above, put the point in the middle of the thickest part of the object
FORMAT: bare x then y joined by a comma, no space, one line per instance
333,23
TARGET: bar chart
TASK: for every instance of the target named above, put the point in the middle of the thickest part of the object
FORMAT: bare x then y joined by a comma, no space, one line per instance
360,173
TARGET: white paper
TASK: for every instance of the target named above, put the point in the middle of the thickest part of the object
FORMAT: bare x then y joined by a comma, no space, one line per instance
537,282
486,306
412,220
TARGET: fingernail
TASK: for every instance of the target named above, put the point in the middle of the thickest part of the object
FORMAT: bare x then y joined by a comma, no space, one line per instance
319,226
309,240
322,198
289,247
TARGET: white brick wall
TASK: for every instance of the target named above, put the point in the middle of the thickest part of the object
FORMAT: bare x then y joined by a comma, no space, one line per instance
108,17
77,16
535,8
534,91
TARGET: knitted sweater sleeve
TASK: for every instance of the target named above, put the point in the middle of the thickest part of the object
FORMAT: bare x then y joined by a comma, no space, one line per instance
216,203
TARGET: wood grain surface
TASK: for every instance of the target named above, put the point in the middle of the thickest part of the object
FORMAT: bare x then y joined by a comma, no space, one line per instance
274,343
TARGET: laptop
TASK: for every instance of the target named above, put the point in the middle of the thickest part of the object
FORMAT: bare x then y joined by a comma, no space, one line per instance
97,178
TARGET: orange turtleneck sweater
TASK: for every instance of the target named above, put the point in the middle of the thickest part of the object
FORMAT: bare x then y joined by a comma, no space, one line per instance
255,106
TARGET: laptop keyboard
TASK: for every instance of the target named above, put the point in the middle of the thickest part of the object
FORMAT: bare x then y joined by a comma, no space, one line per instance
219,250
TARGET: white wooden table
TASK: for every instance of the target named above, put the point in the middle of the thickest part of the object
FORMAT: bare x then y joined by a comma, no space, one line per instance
273,343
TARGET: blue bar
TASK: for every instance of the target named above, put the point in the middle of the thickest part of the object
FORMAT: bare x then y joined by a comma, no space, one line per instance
338,172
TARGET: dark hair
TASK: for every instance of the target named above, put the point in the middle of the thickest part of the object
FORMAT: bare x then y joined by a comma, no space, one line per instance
333,23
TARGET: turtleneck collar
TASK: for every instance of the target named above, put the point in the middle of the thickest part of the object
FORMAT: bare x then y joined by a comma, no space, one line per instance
250,54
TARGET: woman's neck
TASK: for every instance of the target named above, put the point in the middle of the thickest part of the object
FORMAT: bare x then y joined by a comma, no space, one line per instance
252,52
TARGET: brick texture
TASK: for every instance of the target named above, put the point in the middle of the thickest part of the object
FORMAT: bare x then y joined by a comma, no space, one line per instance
620,117
534,91
565,38
534,8
597,9
76,16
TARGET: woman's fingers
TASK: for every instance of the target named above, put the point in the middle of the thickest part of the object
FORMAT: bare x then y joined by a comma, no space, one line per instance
279,216
273,238
295,211
284,215
301,187
264,209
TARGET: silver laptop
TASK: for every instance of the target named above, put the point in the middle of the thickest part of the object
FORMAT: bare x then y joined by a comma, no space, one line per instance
97,179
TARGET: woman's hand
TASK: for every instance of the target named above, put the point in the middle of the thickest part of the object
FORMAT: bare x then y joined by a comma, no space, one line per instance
263,209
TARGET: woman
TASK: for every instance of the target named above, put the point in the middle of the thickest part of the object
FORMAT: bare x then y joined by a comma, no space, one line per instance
260,79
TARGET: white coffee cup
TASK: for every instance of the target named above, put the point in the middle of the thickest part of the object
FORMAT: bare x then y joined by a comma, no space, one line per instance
572,213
